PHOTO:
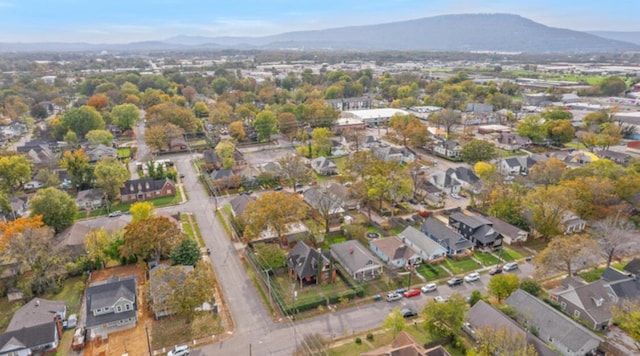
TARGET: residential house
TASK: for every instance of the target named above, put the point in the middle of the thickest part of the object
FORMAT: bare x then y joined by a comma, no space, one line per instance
405,345
511,141
146,188
40,153
447,148
565,335
510,234
111,305
618,157
476,229
101,151
357,261
273,169
633,267
211,160
163,280
466,177
19,206
325,202
178,144
225,179
572,223
483,317
455,244
394,252
519,165
239,204
370,142
324,166
591,303
90,199
429,250
394,154
479,108
306,264
434,195
292,232
342,193
343,104
36,328
444,182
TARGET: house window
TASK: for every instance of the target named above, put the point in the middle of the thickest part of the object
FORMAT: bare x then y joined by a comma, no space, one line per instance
576,313
169,191
119,309
127,307
563,306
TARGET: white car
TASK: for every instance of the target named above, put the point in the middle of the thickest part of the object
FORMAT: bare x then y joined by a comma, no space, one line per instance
431,287
510,266
392,296
440,299
180,350
472,277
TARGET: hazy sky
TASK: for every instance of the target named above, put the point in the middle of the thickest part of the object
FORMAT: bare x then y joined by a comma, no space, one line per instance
109,21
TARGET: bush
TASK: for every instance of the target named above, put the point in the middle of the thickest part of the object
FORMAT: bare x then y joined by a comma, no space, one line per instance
370,337
531,286
358,341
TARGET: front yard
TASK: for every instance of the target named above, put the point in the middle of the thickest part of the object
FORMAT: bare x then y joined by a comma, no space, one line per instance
486,258
509,254
432,271
157,202
462,265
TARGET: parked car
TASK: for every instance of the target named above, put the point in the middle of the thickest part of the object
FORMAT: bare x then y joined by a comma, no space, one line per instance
412,293
298,185
495,270
180,350
431,287
278,188
408,312
114,214
440,299
472,277
392,296
455,281
401,290
510,266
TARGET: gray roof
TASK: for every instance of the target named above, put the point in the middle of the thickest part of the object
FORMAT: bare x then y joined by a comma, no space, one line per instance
323,200
303,260
464,174
211,157
421,240
89,195
106,294
222,174
239,203
543,316
612,275
38,311
144,185
353,256
473,222
443,235
484,316
633,266
504,227
30,336
322,162
394,248
594,298
626,289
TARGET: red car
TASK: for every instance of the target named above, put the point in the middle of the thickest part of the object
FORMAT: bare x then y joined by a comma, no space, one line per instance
411,293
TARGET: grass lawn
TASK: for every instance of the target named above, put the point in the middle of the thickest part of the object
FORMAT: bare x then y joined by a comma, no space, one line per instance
461,266
71,294
592,275
486,258
124,152
432,272
536,244
510,254
350,349
167,331
186,226
6,311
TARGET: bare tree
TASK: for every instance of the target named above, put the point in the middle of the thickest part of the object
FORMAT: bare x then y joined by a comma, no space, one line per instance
293,170
617,237
447,119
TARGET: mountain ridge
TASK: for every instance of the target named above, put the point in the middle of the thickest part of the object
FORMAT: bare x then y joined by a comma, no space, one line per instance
456,33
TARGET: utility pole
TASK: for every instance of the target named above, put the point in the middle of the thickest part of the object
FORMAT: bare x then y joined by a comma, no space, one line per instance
146,329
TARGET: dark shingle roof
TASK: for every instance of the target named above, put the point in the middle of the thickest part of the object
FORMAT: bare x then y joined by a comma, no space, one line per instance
626,289
29,337
445,236
612,275
105,295
633,266
239,203
144,185
38,311
303,260
221,174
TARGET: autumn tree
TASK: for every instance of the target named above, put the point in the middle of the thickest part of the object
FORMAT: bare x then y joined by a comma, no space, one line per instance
35,248
125,116
560,131
502,341
200,110
265,124
478,150
77,164
141,210
14,171
566,253
170,113
56,207
288,124
98,101
547,172
11,227
486,171
153,237
97,243
187,253
356,136
502,285
236,130
548,207
403,125
293,170
272,211
444,319
617,238
99,137
358,163
80,120
159,136
627,316
111,175
556,113
394,322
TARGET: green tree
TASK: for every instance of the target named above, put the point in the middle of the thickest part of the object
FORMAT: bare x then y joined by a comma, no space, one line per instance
187,253
226,149
478,150
553,113
56,207
394,322
81,120
270,255
548,206
97,244
531,286
201,110
110,176
532,127
14,171
125,116
71,138
560,131
48,178
475,297
444,319
502,285
321,138
265,124
142,210
97,137
612,86
627,316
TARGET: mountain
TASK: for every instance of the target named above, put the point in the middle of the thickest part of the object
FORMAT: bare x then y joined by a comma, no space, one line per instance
631,36
467,32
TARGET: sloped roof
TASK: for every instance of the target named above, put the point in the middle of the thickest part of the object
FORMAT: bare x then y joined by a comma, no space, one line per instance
612,275
405,345
144,185
353,256
445,236
222,174
323,200
543,316
24,338
89,195
304,260
106,294
211,157
393,247
465,174
594,298
239,203
504,227
626,289
421,240
633,266
37,312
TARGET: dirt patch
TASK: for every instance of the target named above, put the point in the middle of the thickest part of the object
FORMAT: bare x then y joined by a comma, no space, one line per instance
132,341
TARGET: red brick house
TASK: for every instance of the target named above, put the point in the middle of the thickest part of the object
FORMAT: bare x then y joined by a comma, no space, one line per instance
146,188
